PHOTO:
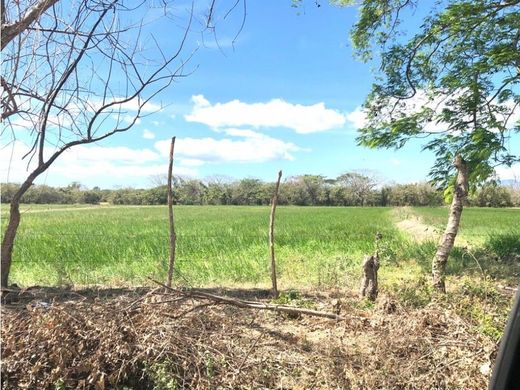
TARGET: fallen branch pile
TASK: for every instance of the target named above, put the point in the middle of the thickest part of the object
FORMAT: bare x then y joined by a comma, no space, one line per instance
200,340
218,299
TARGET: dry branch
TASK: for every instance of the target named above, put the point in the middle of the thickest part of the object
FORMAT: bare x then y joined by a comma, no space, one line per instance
252,304
271,236
173,237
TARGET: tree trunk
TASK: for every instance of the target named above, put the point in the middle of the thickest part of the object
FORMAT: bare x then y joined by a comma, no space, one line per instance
271,236
369,287
446,244
12,228
173,237
8,241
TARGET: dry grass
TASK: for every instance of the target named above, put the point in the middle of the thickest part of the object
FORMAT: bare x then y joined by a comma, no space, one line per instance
144,339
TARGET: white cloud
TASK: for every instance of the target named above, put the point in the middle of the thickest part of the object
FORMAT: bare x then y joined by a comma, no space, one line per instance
128,119
147,134
253,147
88,163
275,113
242,133
509,173
119,154
133,105
190,162
358,118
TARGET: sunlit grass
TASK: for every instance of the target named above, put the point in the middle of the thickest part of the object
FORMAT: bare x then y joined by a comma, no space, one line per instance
215,245
227,245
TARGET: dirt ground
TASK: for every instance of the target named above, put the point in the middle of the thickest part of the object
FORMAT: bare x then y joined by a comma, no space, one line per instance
154,339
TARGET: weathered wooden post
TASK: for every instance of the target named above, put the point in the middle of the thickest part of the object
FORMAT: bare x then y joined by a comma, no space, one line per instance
271,236
369,287
173,237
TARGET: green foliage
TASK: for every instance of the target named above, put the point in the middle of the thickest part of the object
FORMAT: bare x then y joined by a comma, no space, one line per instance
59,384
505,246
478,301
455,81
491,195
415,293
292,298
160,374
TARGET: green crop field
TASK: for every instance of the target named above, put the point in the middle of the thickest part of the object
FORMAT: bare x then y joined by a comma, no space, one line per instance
122,245
477,224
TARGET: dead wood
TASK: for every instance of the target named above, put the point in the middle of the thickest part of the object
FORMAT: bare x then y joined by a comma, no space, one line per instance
271,236
173,237
369,288
253,304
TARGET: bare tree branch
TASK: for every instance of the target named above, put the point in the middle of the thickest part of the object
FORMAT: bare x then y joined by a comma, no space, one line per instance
11,31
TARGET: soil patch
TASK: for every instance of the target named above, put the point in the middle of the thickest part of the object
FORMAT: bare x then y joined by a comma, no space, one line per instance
413,225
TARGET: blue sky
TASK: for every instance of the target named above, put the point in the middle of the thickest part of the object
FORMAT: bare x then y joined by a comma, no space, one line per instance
285,95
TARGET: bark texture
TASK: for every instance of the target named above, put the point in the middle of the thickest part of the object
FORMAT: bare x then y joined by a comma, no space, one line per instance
271,236
173,237
12,30
12,228
448,239
369,288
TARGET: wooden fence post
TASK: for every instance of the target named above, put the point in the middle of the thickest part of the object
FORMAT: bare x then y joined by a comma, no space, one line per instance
369,287
173,237
271,236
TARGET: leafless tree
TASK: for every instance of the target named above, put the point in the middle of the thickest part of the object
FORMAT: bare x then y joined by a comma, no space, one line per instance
76,72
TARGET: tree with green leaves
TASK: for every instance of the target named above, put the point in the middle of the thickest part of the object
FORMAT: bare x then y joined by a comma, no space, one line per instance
454,82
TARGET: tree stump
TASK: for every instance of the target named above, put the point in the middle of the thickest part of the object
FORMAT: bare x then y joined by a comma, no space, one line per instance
369,287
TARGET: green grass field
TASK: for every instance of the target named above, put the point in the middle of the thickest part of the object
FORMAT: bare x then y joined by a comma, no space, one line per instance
226,245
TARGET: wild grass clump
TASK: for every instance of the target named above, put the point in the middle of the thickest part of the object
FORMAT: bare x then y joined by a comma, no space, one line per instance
415,293
505,246
479,301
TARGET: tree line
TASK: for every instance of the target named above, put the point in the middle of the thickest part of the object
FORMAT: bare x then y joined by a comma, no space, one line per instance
350,189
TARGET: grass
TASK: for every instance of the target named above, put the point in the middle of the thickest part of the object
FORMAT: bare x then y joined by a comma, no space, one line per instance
477,224
488,242
315,246
215,245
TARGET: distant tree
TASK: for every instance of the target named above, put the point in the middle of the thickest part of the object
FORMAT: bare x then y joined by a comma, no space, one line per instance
491,195
90,197
218,194
156,196
417,194
358,187
7,192
218,190
305,190
384,196
454,81
247,191
514,190
190,192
